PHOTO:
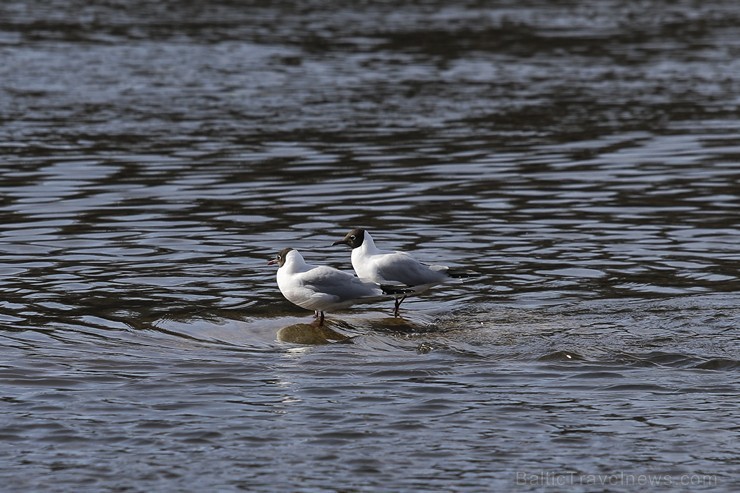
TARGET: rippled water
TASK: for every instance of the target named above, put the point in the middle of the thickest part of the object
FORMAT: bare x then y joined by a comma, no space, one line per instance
583,157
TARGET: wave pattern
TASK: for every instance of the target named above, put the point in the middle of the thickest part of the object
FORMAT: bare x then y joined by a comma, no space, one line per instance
153,156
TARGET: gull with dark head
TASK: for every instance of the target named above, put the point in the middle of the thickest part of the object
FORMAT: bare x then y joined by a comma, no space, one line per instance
400,268
322,288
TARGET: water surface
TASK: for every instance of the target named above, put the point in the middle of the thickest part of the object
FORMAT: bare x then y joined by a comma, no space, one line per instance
582,157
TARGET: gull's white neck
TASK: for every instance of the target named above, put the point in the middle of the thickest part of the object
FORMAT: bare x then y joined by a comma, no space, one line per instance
294,263
361,259
368,246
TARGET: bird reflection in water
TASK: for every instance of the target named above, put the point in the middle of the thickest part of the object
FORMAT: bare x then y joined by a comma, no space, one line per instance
310,334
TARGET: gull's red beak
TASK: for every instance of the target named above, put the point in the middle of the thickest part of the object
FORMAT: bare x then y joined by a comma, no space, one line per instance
272,261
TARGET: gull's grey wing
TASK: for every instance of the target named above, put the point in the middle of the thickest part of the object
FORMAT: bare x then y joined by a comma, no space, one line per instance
403,268
343,286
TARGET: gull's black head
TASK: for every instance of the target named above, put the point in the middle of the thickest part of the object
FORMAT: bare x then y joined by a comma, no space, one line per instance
280,257
353,239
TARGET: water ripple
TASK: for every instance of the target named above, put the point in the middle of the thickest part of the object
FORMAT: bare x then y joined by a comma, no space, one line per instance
582,159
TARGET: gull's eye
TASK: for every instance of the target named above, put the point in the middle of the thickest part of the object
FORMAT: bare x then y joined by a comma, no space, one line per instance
353,237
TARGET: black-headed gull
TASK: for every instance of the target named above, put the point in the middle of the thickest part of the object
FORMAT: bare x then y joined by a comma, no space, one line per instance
385,267
322,288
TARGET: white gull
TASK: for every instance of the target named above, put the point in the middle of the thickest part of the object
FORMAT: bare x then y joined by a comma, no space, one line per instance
399,268
323,288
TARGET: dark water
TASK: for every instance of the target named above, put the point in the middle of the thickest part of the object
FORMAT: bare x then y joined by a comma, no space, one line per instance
583,157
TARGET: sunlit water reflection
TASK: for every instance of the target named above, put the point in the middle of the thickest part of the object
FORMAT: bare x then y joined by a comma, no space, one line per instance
582,159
